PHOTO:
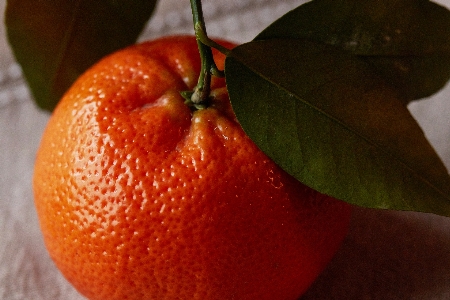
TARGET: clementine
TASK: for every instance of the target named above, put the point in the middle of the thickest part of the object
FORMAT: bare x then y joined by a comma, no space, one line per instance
139,197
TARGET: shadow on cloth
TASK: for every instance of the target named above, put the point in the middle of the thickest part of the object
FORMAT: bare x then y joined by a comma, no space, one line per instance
389,255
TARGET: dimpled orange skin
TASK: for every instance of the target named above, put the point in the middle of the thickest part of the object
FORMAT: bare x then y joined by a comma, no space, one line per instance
138,198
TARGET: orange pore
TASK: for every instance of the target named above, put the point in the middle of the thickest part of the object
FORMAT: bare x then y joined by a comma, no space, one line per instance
140,198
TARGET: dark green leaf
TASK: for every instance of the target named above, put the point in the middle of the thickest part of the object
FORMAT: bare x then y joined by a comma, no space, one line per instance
406,41
328,120
56,40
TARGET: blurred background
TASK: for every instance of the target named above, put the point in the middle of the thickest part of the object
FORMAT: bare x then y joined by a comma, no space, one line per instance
387,255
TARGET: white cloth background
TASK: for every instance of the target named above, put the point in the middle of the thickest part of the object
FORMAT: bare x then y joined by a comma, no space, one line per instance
387,255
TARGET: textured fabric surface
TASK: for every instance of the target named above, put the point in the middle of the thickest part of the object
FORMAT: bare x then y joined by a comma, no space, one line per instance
387,255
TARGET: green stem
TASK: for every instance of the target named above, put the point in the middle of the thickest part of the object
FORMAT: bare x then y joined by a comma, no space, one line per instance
208,67
201,35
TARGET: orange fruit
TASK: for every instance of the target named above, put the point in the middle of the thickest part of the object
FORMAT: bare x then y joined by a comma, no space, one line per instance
138,197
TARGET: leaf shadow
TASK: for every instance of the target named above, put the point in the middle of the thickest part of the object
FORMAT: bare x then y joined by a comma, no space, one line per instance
389,255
